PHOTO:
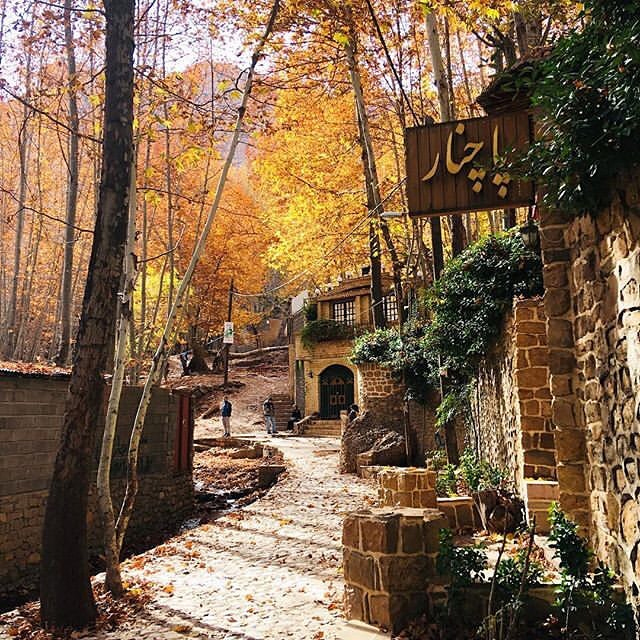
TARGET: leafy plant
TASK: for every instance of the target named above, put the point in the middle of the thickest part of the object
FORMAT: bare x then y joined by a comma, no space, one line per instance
587,602
377,346
463,565
587,90
310,312
464,310
323,331
446,481
478,474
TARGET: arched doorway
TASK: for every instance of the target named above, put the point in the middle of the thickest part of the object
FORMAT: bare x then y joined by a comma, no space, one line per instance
336,390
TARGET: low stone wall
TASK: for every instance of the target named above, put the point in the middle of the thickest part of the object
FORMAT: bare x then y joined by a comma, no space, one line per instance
512,404
407,487
389,561
31,412
461,513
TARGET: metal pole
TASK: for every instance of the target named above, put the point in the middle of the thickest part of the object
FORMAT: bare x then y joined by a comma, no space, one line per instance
226,346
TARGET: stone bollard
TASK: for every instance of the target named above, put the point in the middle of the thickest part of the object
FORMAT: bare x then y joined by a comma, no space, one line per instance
389,562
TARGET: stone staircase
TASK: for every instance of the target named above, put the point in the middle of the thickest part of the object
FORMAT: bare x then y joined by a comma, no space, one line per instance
323,428
282,405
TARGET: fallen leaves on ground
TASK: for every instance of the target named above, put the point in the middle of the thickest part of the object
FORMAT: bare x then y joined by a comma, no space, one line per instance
24,622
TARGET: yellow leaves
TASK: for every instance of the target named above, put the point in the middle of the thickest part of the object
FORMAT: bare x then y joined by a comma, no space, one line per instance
168,588
181,628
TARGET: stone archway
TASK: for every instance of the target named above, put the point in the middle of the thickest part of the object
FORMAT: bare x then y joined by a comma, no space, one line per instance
336,391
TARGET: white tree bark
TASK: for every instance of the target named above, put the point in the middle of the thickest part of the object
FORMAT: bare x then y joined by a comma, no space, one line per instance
113,580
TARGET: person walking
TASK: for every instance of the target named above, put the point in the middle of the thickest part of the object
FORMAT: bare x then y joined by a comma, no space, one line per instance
269,416
225,416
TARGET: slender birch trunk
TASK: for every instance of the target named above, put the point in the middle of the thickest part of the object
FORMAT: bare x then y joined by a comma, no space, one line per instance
160,355
113,579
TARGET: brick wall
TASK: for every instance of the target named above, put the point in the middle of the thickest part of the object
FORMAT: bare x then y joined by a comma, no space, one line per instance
592,271
31,413
512,401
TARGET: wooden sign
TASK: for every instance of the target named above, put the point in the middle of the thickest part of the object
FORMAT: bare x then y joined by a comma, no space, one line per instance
451,167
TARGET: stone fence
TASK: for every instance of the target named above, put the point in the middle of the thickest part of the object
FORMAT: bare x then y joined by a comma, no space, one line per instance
512,401
31,414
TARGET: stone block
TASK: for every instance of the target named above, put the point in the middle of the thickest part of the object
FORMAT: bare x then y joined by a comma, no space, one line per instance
559,300
546,441
532,377
354,603
555,276
526,340
402,573
541,490
540,458
403,499
432,525
359,569
560,333
563,413
351,532
532,423
411,537
538,356
407,481
571,478
561,361
427,498
379,533
570,444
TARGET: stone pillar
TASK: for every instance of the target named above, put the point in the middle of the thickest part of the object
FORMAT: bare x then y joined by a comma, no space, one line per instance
389,563
381,394
568,419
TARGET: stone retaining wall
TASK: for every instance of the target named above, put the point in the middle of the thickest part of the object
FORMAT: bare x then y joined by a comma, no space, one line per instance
512,403
592,276
31,412
389,561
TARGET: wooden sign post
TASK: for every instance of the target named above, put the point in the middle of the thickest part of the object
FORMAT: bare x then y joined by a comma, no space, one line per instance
453,167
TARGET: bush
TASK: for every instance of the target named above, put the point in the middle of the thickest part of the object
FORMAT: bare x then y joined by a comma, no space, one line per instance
377,346
323,331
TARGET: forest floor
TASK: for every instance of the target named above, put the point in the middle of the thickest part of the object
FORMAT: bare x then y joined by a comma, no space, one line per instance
267,570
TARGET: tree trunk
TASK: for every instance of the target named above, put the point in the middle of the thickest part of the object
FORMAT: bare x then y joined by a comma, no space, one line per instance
374,199
113,579
72,191
160,356
65,589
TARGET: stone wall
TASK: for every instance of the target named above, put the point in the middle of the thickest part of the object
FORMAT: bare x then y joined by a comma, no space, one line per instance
31,412
406,487
512,400
382,393
389,561
592,275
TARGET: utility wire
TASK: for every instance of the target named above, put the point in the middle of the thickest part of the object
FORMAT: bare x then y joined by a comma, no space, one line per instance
326,257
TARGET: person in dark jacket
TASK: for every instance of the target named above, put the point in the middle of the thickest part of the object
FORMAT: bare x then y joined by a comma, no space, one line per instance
354,412
294,417
269,412
225,416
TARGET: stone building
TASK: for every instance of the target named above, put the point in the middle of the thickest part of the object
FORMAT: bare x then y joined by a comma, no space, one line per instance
322,379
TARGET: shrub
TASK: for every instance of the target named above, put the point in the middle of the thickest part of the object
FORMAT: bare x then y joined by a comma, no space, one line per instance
587,90
324,330
377,346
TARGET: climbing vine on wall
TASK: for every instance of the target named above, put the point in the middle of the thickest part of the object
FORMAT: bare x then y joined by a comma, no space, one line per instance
463,311
588,91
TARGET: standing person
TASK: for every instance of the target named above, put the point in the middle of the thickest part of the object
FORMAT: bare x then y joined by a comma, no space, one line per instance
225,415
269,416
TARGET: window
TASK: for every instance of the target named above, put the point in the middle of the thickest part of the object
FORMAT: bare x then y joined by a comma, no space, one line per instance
390,308
343,311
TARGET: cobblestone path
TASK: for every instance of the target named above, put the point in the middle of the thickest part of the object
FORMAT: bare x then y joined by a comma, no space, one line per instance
271,570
